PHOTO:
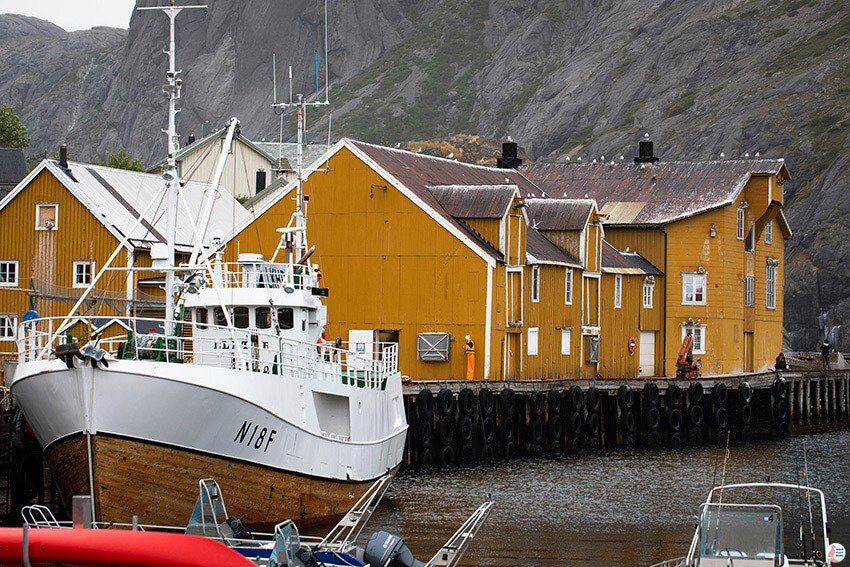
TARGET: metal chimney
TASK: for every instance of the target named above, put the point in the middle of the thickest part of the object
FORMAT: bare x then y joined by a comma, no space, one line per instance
645,151
509,159
63,155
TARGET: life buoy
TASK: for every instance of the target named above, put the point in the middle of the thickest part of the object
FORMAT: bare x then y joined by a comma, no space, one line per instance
632,345
321,341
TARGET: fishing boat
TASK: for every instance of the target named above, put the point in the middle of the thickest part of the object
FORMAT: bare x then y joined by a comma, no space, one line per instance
236,381
736,529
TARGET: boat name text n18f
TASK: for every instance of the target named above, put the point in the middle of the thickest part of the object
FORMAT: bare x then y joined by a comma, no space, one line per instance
258,436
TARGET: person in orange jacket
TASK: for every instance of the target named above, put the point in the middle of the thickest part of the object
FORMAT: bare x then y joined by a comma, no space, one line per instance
469,349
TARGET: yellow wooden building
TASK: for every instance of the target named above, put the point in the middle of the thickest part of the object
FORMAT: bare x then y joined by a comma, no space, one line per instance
61,223
715,228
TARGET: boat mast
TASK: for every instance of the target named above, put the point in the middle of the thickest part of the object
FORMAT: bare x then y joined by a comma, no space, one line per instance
170,175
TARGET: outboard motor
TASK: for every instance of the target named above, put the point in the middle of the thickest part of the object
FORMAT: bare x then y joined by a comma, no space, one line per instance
388,550
240,531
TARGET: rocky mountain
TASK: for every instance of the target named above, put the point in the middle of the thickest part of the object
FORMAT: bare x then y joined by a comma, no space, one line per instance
563,78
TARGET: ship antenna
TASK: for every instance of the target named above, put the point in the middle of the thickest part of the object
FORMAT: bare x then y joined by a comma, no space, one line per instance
170,176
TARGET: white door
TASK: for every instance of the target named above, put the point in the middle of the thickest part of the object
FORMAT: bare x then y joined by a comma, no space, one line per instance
361,345
647,353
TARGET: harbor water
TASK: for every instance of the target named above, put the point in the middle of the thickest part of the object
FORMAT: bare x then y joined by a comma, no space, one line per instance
612,508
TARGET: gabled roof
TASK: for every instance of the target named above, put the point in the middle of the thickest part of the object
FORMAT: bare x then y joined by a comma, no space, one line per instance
197,145
287,153
117,197
651,194
13,166
475,201
539,250
616,262
559,214
414,175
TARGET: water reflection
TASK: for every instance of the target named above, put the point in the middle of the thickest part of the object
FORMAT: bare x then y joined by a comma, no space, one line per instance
609,508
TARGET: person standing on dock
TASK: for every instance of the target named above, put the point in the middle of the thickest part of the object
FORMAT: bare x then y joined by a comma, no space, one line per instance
469,349
824,351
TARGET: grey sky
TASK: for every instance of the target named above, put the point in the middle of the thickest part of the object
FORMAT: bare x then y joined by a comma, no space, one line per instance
74,15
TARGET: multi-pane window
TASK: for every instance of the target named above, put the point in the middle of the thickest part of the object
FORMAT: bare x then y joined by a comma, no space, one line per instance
740,232
693,289
7,327
698,331
566,338
768,232
532,341
535,284
568,287
9,273
770,282
749,285
618,291
648,292
46,216
82,273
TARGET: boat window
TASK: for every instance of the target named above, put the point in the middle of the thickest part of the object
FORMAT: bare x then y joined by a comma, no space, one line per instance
240,317
285,318
263,316
219,316
201,318
740,531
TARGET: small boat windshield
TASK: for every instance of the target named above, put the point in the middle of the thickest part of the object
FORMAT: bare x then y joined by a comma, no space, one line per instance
740,531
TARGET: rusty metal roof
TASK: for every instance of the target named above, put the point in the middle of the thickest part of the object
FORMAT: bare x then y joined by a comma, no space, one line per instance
616,262
539,250
559,214
635,193
475,201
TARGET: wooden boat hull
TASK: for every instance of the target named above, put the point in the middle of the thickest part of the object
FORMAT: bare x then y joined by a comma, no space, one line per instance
159,484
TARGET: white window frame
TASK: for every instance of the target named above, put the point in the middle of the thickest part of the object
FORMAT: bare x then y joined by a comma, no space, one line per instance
770,287
533,337
8,327
568,287
768,232
694,276
699,336
6,264
38,208
618,291
535,284
740,222
648,293
566,340
80,264
749,291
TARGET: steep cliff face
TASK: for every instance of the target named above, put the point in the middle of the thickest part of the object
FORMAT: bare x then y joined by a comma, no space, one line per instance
563,78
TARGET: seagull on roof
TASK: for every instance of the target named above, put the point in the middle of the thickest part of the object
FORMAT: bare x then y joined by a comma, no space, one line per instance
451,155
746,155
510,139
758,154
398,145
579,158
568,158
602,158
722,155
419,150
586,196
621,157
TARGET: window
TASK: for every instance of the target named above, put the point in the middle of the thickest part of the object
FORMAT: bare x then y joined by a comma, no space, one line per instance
46,217
264,317
532,341
749,285
568,287
648,291
566,339
771,286
740,232
240,317
7,327
82,273
693,289
768,232
618,291
698,331
285,318
201,317
750,243
535,284
9,273
218,317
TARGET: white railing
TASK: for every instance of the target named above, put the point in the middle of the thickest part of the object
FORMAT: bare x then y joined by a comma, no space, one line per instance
262,275
261,351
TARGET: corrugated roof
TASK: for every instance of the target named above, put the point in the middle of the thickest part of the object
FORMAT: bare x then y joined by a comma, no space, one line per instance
13,166
117,197
559,214
288,153
616,262
475,201
660,193
539,250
